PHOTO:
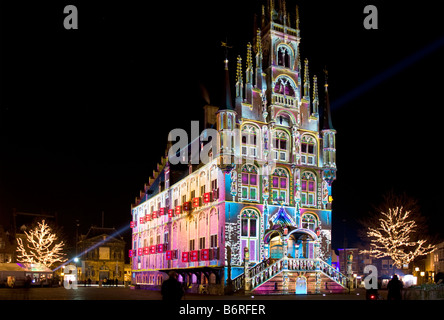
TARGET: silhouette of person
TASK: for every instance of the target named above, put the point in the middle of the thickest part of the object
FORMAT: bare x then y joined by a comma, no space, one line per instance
171,289
394,289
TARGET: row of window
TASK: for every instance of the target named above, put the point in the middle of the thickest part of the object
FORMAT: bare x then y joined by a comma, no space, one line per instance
199,183
280,186
281,145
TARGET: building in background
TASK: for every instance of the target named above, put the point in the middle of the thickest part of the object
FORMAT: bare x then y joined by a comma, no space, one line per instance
101,255
8,245
257,216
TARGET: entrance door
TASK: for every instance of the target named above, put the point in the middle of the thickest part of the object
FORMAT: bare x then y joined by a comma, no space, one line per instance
301,285
276,249
103,273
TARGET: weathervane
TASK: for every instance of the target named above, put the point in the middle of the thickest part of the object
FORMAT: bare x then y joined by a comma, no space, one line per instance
226,46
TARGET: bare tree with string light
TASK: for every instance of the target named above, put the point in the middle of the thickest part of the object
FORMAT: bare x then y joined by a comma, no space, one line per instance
40,246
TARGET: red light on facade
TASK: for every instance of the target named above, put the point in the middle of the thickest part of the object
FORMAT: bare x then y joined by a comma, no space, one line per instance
178,210
205,254
185,256
148,217
140,252
187,206
160,248
196,202
170,213
161,211
169,255
194,255
146,250
141,220
207,197
132,224
154,214
153,249
130,253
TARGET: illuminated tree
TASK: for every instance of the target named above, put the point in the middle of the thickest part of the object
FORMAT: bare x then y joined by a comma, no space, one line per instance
40,246
393,238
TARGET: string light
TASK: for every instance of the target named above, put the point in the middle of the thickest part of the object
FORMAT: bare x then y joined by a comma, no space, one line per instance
40,247
393,238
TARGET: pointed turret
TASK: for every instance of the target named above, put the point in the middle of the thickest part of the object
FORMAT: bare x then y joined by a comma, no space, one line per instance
260,81
227,103
249,75
297,20
226,122
315,96
306,81
239,85
329,140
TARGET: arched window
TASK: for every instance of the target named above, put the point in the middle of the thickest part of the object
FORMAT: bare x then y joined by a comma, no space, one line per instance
193,187
283,120
309,221
250,233
249,141
184,192
250,183
308,150
281,144
283,56
203,183
279,186
284,86
176,197
308,189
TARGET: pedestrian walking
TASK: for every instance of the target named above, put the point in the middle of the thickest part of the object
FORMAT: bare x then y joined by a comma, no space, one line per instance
171,289
394,289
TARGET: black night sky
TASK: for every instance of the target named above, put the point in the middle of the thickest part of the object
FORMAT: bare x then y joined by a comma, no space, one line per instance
85,114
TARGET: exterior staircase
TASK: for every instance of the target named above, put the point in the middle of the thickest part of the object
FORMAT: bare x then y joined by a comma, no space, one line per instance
279,277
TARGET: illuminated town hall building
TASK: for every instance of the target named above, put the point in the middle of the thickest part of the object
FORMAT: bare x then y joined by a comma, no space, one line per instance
256,217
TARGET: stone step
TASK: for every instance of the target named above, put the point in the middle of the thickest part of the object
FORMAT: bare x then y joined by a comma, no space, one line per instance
275,284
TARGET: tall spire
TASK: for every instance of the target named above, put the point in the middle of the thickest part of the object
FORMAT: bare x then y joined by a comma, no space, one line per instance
327,124
239,77
306,81
227,103
315,95
260,81
249,75
297,17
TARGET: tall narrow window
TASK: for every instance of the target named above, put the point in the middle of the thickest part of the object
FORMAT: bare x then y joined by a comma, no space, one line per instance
250,183
308,189
283,57
308,150
202,243
281,145
249,141
279,185
250,233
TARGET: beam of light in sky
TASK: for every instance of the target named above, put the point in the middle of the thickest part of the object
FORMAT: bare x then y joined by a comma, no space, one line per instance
117,233
386,74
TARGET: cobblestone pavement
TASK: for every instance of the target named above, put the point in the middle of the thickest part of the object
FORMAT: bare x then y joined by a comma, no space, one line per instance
121,293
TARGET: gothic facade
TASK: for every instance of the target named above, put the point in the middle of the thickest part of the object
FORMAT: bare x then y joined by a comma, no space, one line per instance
259,211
